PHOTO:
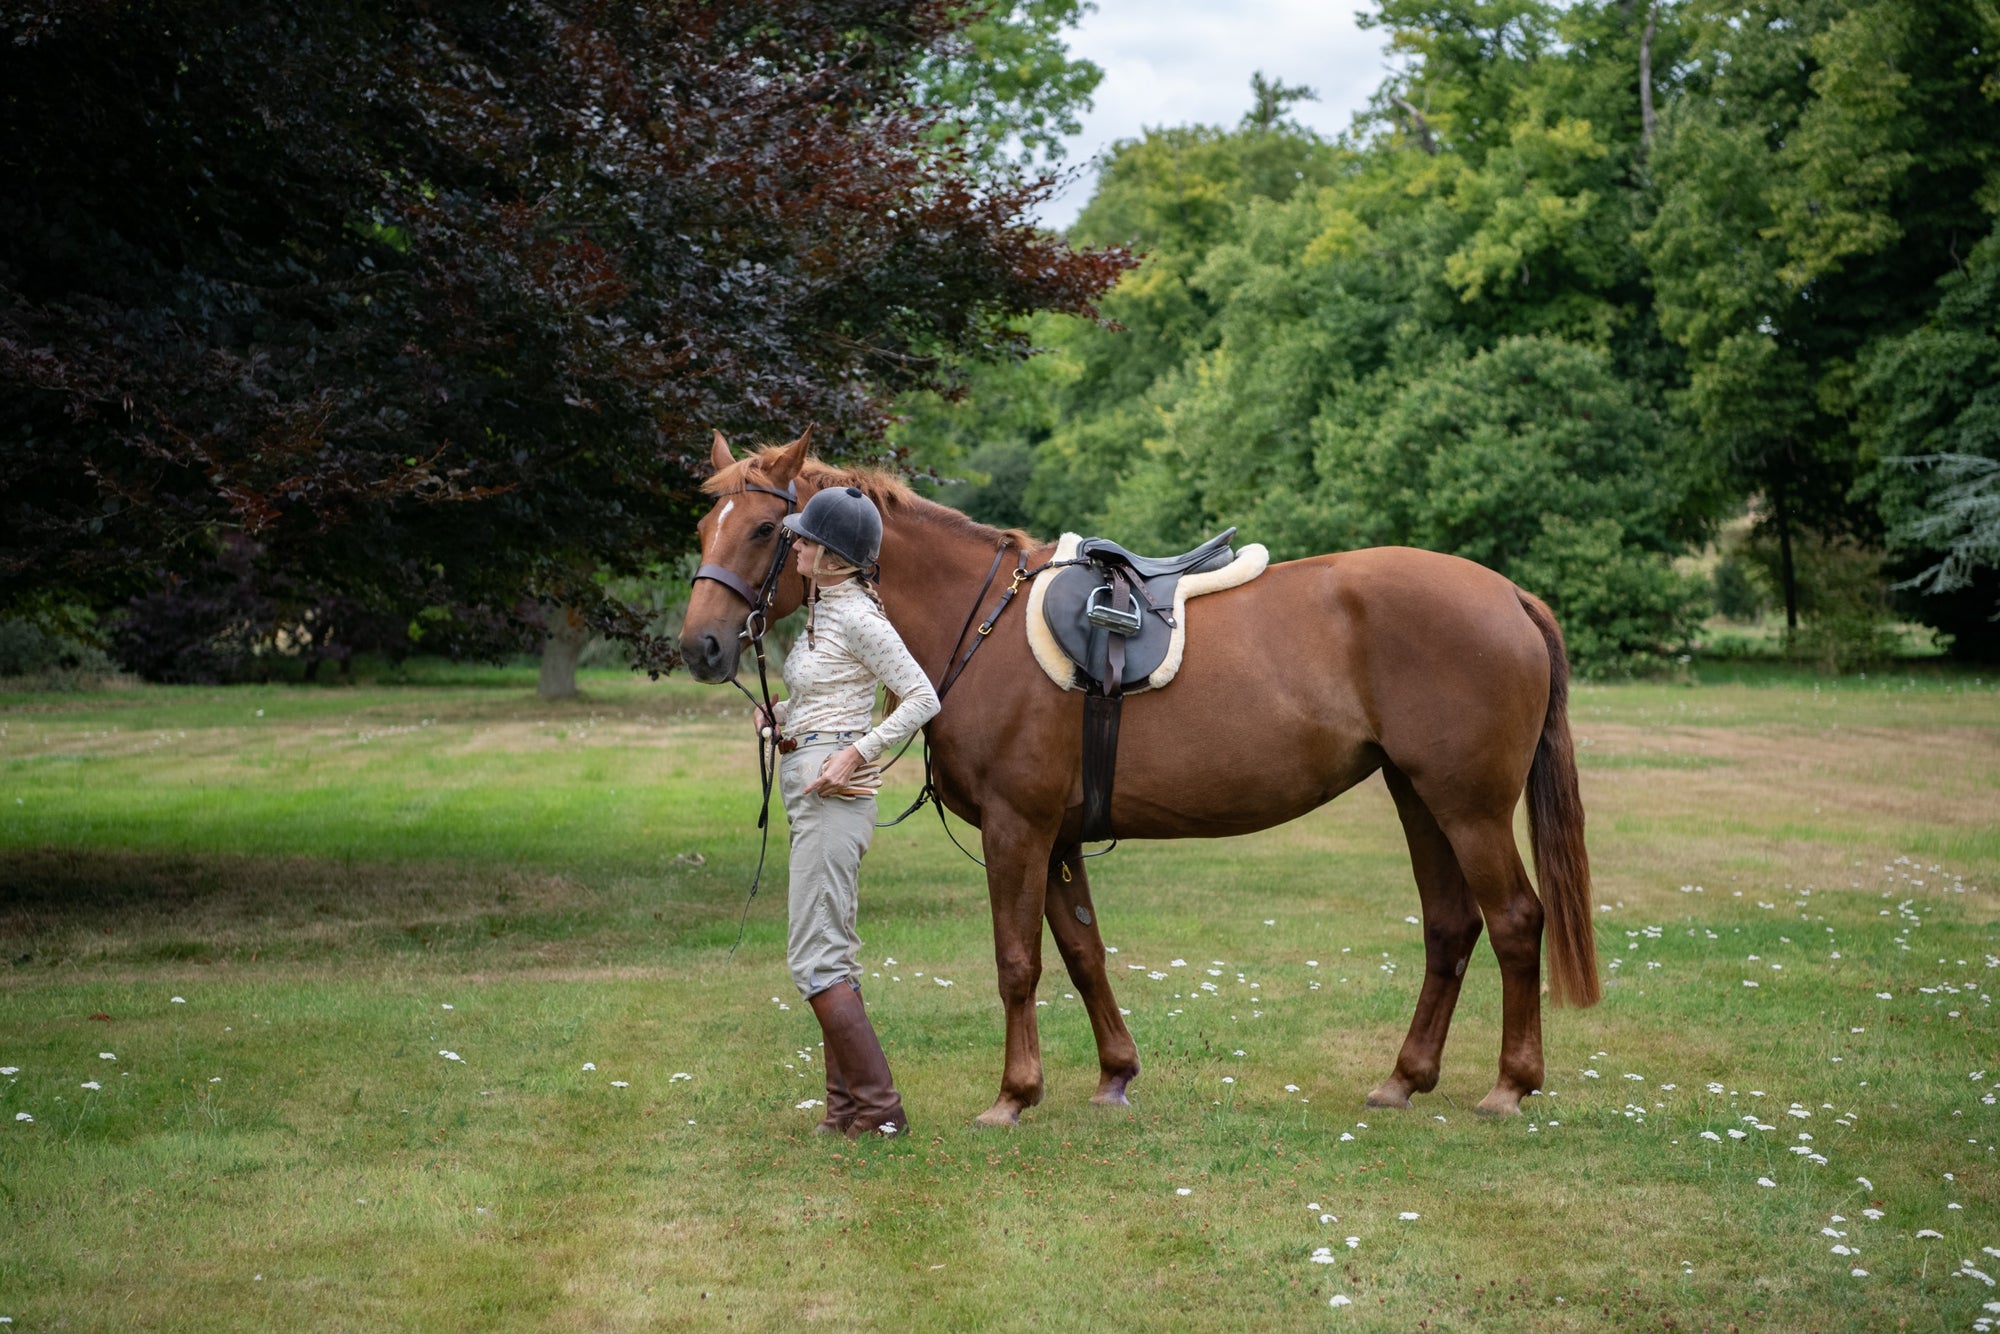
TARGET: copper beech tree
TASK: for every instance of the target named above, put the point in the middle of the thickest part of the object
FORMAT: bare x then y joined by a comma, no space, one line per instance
427,310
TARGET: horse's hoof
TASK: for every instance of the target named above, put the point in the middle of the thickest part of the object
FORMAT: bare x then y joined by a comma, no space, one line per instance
1500,1102
1111,1097
1391,1095
1002,1115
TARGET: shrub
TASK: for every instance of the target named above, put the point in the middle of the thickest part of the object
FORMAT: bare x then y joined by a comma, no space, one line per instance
1623,609
51,652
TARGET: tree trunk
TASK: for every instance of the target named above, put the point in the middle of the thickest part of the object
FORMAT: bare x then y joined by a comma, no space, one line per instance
567,635
1787,572
1646,81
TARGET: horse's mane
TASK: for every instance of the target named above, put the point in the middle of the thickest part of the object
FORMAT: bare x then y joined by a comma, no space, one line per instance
888,491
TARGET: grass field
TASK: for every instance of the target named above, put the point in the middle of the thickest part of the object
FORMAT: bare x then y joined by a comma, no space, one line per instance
413,1007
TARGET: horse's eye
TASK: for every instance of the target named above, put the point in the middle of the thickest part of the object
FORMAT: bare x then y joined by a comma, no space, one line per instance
764,530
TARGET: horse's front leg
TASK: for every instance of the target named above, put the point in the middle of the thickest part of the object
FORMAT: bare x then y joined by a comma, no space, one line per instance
1017,873
1073,920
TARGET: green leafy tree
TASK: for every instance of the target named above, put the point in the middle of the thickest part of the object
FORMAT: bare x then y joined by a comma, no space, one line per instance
1006,81
1821,167
1930,403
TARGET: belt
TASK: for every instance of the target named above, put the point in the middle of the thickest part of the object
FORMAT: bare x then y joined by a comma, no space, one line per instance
792,743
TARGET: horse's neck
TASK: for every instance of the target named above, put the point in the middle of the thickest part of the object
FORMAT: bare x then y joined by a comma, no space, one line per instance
932,576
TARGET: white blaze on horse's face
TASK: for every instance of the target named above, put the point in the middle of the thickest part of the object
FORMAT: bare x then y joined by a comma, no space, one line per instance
712,629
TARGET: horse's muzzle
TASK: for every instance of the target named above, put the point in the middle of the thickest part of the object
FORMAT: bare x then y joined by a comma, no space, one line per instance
710,657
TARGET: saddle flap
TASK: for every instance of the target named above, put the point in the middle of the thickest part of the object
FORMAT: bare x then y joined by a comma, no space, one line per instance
1070,598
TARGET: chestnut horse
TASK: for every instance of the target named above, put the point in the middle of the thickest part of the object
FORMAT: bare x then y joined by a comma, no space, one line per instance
1438,672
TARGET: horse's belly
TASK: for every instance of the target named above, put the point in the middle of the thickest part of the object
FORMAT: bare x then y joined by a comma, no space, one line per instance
1192,772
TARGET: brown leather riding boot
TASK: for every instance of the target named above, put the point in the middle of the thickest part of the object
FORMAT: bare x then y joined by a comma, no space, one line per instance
839,1102
851,1046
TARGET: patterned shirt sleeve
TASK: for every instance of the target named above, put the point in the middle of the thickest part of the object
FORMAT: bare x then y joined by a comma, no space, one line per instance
875,643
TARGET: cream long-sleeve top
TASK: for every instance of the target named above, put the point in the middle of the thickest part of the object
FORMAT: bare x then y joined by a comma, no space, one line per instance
831,674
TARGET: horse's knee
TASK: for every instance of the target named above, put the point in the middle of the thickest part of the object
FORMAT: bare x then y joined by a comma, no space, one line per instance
1020,974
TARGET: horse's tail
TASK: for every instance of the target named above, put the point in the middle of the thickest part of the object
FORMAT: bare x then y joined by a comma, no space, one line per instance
1555,829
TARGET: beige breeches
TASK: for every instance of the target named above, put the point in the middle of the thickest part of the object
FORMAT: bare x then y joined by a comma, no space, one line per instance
829,836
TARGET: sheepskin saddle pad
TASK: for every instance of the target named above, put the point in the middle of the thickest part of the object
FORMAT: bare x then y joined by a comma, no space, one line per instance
1073,608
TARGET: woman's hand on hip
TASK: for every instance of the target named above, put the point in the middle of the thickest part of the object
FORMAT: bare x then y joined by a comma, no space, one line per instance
835,773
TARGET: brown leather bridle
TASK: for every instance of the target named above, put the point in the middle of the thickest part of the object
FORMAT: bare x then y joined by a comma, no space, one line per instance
759,598
754,626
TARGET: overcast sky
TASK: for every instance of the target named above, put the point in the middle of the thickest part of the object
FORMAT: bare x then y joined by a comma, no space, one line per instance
1182,62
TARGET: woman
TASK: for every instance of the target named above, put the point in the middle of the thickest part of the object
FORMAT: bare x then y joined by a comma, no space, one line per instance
826,772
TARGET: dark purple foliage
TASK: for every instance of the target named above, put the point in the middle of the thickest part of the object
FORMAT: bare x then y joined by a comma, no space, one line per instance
436,304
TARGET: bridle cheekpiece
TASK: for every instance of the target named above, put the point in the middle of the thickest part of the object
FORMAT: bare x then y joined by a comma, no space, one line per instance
759,598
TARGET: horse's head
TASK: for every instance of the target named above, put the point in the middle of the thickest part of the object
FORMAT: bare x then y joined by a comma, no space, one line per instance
739,545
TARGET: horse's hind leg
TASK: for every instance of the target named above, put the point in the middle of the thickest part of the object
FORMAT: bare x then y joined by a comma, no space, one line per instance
1451,929
1492,866
1073,920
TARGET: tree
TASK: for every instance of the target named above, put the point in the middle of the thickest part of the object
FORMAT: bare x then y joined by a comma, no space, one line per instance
1270,99
1005,81
1821,168
438,307
1930,413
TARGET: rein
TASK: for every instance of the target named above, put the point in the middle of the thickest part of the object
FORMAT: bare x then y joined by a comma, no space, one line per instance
754,626
756,623
929,792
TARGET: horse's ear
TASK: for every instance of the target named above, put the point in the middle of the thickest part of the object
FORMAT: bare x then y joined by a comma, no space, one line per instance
784,465
718,453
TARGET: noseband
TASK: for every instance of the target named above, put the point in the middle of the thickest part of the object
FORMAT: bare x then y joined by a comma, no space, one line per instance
759,598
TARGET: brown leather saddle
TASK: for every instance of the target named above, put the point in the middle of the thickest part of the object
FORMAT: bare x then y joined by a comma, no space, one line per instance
1112,614
1118,605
